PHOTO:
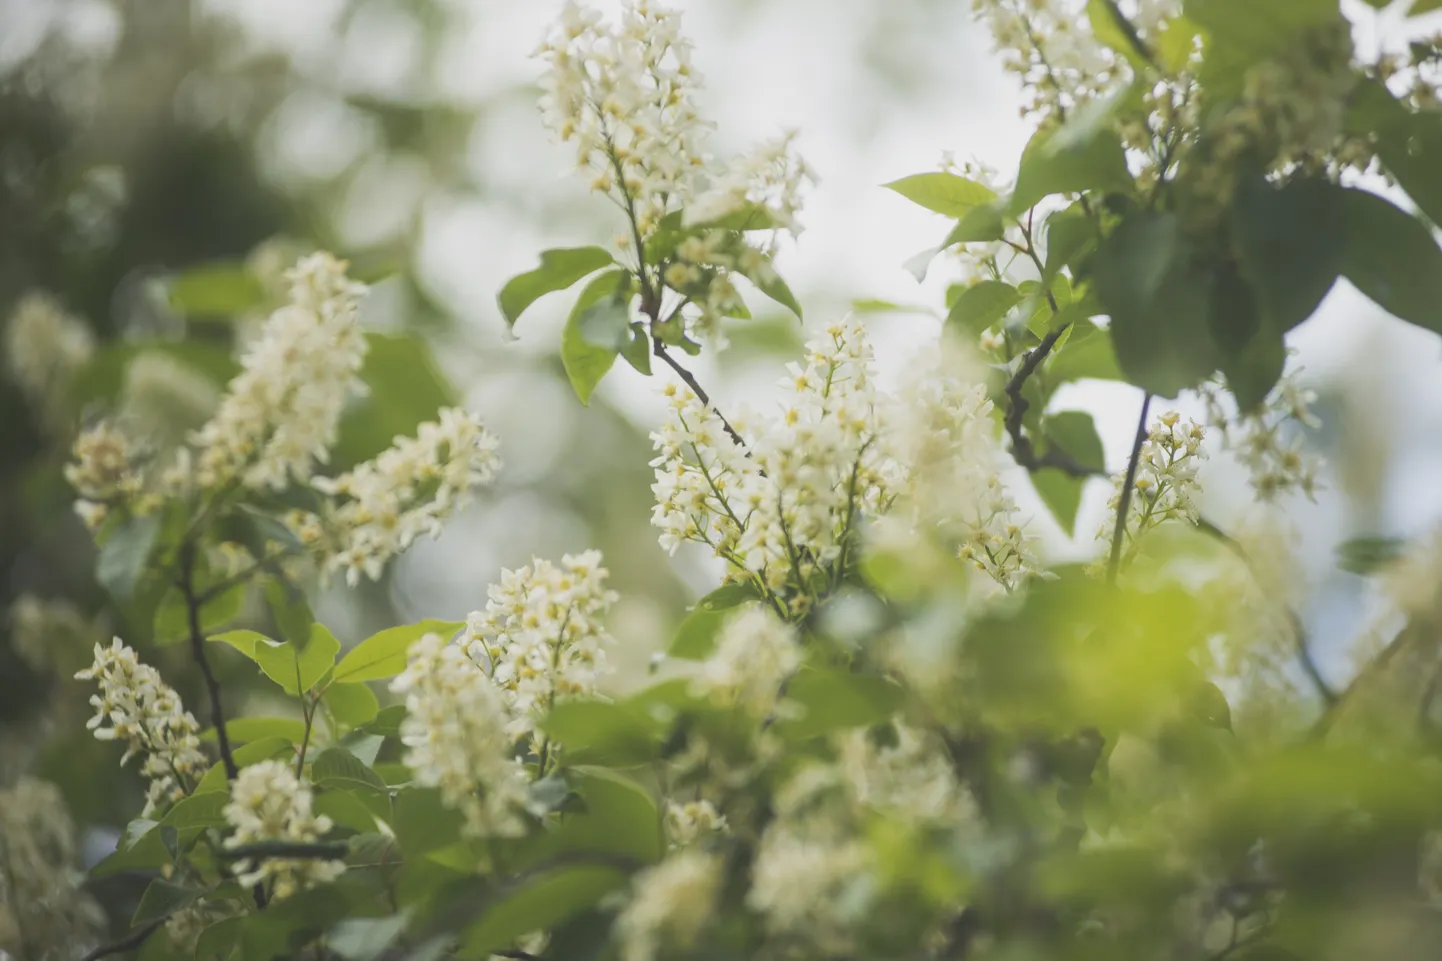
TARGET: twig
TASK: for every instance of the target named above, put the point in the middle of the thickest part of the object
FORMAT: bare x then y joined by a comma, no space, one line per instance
1022,449
197,649
132,940
659,349
1299,632
320,850
1125,502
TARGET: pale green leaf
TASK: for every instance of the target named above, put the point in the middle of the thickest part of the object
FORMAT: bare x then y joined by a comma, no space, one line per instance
383,654
559,269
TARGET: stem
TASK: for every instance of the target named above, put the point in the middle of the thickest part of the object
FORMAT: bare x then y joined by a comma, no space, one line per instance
1022,449
197,650
659,349
1125,503
307,707
131,941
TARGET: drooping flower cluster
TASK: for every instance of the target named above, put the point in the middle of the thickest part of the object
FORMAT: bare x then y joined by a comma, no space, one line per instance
1267,439
280,414
44,913
45,348
105,471
542,634
268,802
456,740
694,821
145,714
755,654
1165,486
670,906
783,507
385,504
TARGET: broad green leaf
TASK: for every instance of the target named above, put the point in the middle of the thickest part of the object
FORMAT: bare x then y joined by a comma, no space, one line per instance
221,289
1393,258
637,351
981,305
607,324
1070,234
1407,141
559,269
944,193
197,810
619,820
297,670
364,939
162,899
1241,33
980,224
696,635
336,764
125,553
172,615
145,844
586,363
1251,352
1158,300
603,732
1087,355
383,654
422,822
747,216
244,729
1290,244
387,723
1420,7
220,939
1074,432
1367,555
1061,493
261,749
347,807
243,641
352,704
1085,154
832,700
293,617
539,904
102,380
404,388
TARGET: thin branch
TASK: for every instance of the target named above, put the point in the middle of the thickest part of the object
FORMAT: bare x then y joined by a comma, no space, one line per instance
128,943
1125,502
260,850
197,650
659,349
1299,632
1022,449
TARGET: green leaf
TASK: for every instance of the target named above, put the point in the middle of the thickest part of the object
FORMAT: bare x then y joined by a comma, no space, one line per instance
423,823
1074,432
1087,354
297,670
1112,28
388,722
607,324
162,899
944,193
292,613
243,641
560,268
172,615
696,635
980,224
833,700
145,844
243,729
221,289
603,732
1061,493
352,704
619,820
1083,155
1241,33
262,749
364,939
125,553
198,811
1252,353
1407,141
403,389
383,654
981,305
586,363
1158,301
1367,555
1070,234
771,284
637,351
1393,258
352,808
337,765
539,904
747,216
1290,241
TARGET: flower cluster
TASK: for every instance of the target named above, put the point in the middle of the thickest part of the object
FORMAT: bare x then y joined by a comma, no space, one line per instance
45,348
694,821
542,634
989,259
670,906
1165,486
1266,438
268,802
146,714
384,505
455,737
280,414
105,470
756,652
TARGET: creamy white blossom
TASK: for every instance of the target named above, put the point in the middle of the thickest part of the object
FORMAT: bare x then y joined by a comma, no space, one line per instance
383,505
455,737
279,416
693,821
105,472
543,634
268,802
137,708
1268,439
756,653
670,906
1165,487
45,349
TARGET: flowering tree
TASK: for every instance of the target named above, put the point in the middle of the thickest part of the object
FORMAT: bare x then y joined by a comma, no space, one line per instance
894,729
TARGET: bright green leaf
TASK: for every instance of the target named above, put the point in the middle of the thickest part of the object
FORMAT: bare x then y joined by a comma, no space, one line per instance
261,749
221,289
559,269
619,820
243,641
244,729
586,363
981,305
336,764
297,670
833,700
944,193
1393,258
162,899
603,732
1085,154
747,216
352,704
383,654
771,284
696,635
980,224
197,811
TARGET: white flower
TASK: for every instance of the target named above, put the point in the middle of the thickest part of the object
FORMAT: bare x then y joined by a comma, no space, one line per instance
1267,439
145,714
104,472
269,803
755,654
385,504
670,906
455,738
691,822
280,414
45,348
1165,487
542,634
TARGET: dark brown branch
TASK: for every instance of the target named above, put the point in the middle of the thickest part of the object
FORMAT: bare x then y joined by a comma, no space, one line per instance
260,850
128,943
659,349
197,650
1124,503
1022,448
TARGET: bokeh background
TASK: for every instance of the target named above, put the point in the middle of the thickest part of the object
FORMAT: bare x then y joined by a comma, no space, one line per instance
142,138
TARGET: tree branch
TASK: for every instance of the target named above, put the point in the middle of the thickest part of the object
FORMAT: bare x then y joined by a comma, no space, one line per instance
260,850
659,349
131,941
1125,502
197,650
1022,448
